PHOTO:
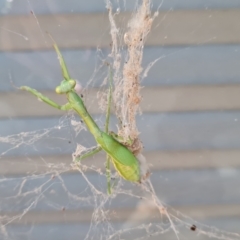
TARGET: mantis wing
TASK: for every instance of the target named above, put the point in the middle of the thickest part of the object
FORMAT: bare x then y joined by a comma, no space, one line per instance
123,159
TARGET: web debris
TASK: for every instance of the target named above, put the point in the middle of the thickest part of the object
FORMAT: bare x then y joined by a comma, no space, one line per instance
127,75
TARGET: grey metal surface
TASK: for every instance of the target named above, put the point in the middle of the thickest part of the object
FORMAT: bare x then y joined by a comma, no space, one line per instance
60,201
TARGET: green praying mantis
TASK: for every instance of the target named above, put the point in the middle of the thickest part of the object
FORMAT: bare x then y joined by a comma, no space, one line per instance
124,161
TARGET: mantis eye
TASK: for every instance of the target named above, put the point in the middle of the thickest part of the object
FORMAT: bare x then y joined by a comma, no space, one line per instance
66,86
78,88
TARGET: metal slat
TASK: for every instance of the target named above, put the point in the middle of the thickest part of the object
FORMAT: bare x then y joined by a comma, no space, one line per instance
157,160
195,188
199,213
159,131
79,231
71,31
154,99
73,6
195,65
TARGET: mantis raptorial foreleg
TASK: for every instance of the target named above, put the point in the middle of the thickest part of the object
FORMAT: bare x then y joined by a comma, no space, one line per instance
47,100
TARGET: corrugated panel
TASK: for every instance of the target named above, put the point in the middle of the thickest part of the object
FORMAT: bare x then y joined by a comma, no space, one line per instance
190,126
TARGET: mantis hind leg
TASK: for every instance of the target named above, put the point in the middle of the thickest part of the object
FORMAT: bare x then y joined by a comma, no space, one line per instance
109,100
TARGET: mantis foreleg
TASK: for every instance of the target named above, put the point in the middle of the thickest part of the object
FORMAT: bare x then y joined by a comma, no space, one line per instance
46,99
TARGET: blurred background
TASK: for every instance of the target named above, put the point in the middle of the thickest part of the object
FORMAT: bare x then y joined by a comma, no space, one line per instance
190,126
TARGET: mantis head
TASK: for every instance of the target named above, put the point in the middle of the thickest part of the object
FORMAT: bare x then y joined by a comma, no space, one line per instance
66,86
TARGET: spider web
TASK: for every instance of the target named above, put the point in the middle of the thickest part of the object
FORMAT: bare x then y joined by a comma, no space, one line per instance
58,199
